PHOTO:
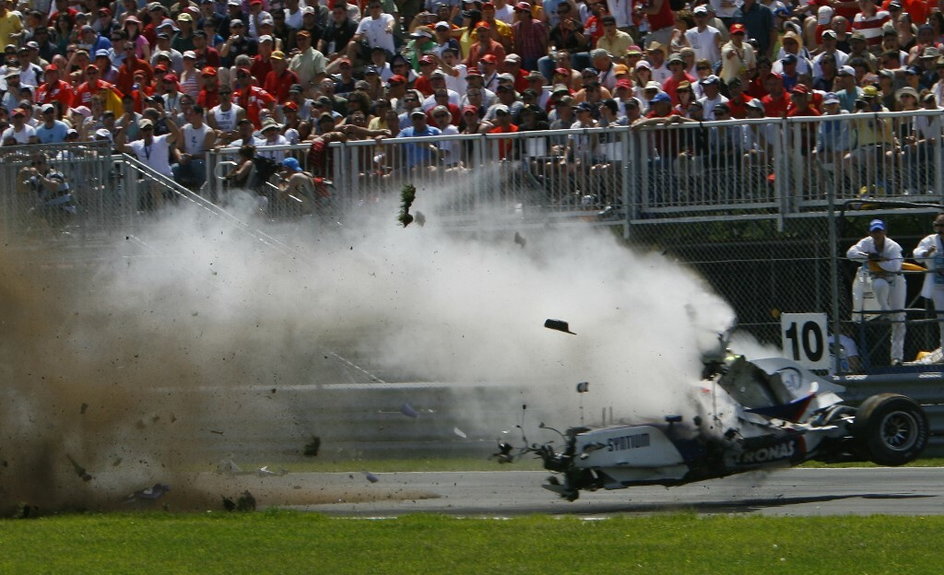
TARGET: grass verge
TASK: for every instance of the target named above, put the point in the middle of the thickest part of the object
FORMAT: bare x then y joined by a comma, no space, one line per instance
289,542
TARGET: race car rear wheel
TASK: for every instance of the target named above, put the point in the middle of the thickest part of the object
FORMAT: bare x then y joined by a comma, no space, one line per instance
891,429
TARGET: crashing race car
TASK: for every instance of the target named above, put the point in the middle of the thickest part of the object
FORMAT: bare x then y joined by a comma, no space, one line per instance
762,414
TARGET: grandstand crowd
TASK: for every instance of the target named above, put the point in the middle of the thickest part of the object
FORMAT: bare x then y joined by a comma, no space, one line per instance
171,81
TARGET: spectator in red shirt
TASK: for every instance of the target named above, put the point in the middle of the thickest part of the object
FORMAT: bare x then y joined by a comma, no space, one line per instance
503,125
209,96
484,45
262,62
777,100
250,98
54,89
130,65
679,75
280,79
737,99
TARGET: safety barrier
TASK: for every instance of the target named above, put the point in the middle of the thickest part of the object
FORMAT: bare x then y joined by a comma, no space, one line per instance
755,168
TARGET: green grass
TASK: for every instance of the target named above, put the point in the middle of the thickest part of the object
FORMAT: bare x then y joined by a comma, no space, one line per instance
290,542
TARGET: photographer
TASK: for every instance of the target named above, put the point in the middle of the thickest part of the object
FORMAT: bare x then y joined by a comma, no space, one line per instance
56,203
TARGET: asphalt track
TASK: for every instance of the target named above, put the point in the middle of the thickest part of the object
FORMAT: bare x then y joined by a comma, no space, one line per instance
788,492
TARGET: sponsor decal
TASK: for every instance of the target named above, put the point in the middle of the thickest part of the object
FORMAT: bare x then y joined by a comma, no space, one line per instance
775,452
628,442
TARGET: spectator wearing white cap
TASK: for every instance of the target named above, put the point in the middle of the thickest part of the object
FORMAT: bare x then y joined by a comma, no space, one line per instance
51,131
831,51
705,39
846,89
711,87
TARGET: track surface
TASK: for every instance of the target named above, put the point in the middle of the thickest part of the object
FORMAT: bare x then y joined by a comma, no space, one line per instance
790,492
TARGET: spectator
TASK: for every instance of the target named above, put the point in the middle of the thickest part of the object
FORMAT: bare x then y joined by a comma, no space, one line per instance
153,151
308,64
758,22
280,79
55,90
881,259
20,132
252,99
207,55
711,87
339,32
52,130
705,40
419,154
55,201
226,116
484,49
237,43
738,59
530,37
376,30
930,251
198,138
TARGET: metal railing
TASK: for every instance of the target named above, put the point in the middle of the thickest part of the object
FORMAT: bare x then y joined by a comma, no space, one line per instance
757,168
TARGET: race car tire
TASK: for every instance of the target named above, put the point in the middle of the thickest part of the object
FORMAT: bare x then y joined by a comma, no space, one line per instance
890,429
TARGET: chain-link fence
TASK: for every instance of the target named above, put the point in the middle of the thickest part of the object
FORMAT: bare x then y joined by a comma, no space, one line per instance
763,271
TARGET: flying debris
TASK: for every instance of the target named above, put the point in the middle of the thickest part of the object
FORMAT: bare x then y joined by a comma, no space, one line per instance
420,218
246,502
79,470
519,239
459,432
558,325
371,477
264,471
407,410
407,195
583,387
312,447
152,493
228,467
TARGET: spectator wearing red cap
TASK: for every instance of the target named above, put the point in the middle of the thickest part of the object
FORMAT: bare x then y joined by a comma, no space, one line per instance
777,100
53,89
252,98
129,65
484,46
530,36
209,95
428,63
738,59
759,24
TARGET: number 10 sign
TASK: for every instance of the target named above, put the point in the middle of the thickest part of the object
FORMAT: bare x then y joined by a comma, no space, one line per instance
804,339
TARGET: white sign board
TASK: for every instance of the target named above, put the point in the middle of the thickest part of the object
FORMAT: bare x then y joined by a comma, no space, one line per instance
804,339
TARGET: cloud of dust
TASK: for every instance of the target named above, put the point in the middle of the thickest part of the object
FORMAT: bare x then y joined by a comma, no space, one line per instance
106,363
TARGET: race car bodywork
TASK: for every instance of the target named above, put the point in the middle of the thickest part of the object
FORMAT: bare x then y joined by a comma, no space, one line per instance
757,415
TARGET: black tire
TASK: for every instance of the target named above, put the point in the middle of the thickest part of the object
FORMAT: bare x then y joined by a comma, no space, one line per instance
890,429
